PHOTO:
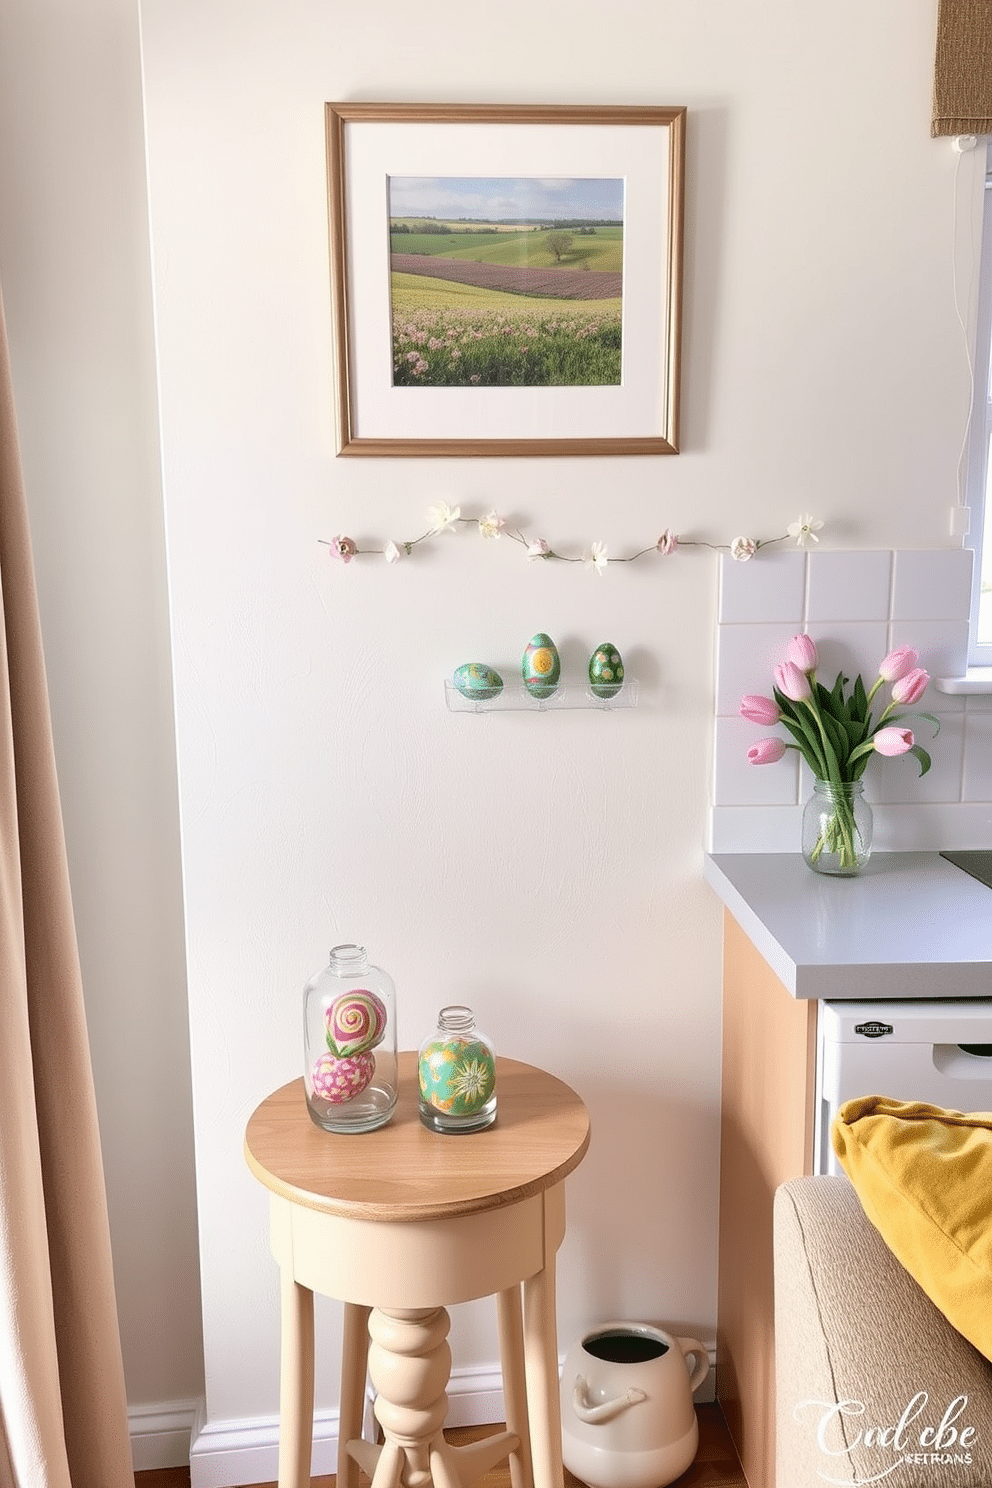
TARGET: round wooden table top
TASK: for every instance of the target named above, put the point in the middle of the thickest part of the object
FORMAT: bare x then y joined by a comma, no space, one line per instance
402,1171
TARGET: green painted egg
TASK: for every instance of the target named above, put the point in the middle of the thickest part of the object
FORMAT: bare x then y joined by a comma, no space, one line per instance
474,680
605,671
457,1075
541,666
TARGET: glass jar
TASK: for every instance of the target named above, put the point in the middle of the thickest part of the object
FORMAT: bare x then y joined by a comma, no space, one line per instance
837,828
456,1070
349,1040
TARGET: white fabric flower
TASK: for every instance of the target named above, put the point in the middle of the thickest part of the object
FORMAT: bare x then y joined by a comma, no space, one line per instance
491,525
596,557
743,548
391,553
442,517
804,530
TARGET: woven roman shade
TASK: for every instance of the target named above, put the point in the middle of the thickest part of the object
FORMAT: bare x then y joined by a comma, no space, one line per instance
962,76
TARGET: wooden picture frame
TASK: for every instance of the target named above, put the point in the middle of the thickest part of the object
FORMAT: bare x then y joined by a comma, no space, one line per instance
508,213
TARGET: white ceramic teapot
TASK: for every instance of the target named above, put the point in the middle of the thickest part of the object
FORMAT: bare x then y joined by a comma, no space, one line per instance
627,1415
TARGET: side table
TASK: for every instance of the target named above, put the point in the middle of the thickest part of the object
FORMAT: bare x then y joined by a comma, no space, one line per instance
398,1224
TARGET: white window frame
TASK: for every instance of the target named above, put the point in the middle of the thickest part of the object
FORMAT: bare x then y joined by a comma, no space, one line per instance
976,493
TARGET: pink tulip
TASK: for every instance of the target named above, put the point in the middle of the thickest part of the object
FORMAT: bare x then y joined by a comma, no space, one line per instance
761,710
766,751
801,652
897,663
911,686
792,680
893,741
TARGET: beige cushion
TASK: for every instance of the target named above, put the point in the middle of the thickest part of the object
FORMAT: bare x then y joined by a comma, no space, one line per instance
853,1329
924,1178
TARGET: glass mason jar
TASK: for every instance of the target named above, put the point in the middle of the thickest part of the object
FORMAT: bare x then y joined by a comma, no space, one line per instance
456,1070
837,828
349,1040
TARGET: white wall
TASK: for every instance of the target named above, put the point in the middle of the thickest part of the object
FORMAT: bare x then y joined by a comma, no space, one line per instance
532,867
529,866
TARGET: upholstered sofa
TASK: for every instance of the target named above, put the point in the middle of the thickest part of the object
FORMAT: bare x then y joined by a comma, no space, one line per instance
873,1384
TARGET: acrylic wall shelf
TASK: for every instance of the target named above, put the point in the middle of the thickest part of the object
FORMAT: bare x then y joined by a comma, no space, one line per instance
516,699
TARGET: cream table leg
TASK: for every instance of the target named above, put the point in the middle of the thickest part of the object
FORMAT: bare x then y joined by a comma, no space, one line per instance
511,1349
541,1363
295,1383
354,1364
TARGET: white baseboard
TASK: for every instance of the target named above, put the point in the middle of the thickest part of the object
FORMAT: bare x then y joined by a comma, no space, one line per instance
161,1433
225,1453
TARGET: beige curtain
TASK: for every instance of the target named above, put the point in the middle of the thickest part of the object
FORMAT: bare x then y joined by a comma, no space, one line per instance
63,1420
962,74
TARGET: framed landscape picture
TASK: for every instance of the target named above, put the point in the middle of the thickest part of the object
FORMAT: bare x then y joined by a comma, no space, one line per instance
506,280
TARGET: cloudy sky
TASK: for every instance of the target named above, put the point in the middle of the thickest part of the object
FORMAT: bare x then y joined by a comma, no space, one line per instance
493,197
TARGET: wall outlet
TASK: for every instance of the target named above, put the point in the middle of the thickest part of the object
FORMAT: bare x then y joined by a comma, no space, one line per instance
960,521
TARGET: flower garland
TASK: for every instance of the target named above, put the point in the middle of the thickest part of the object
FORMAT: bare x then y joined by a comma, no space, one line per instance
444,518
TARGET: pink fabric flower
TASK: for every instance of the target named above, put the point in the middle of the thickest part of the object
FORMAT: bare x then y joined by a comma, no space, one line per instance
897,663
911,686
801,651
343,548
766,751
893,741
792,681
757,709
667,542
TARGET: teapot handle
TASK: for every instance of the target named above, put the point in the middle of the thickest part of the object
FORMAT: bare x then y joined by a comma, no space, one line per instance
594,1414
701,1367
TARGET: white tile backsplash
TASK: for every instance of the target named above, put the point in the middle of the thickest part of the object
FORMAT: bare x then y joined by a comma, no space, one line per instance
767,589
850,646
856,606
932,585
745,659
942,644
736,782
977,755
848,586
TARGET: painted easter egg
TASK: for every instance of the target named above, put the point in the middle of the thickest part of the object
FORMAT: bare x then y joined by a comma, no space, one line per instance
457,1075
541,666
340,1080
605,671
474,680
356,1021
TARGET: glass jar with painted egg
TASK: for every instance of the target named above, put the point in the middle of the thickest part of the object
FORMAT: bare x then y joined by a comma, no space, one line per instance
349,1039
456,1072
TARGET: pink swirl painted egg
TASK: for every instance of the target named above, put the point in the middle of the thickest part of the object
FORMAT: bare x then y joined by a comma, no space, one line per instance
339,1080
356,1021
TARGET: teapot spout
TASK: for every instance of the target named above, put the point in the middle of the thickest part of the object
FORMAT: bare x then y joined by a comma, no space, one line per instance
607,1409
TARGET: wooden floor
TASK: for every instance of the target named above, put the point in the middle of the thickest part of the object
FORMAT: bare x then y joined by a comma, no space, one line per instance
716,1464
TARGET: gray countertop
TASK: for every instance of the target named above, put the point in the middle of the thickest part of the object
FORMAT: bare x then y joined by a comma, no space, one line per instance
910,925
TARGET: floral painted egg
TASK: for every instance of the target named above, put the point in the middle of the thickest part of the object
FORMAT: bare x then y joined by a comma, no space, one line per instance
605,671
340,1080
473,680
457,1075
356,1021
541,666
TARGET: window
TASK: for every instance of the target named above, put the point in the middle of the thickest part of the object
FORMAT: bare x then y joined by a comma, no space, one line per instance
979,465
